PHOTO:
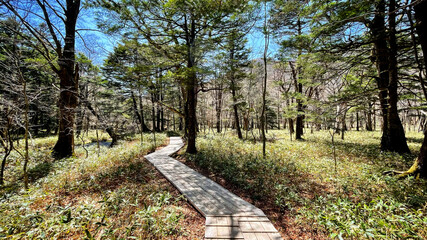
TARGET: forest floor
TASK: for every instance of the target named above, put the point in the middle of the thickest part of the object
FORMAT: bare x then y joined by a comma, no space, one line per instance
115,195
306,197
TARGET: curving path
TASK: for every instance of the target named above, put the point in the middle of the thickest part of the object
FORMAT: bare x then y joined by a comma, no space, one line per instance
227,215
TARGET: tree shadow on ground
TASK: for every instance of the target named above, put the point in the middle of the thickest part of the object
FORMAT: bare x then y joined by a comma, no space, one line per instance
35,173
414,140
115,177
101,144
41,170
367,152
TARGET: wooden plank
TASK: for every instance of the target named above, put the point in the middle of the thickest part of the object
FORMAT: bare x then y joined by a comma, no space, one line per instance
246,226
254,219
227,215
239,203
211,232
268,226
223,232
223,220
262,236
256,226
259,231
211,220
230,232
249,236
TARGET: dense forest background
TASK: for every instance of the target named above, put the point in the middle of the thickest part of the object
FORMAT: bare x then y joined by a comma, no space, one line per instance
236,79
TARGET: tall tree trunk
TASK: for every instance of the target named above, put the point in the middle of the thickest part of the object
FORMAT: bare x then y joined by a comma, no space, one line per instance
396,141
69,82
264,87
191,90
380,57
153,112
218,108
300,117
369,117
158,119
3,165
421,27
235,110
139,113
27,128
343,124
190,114
357,121
298,89
180,124
7,144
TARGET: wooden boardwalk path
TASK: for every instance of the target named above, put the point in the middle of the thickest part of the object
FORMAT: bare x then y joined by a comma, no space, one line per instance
227,215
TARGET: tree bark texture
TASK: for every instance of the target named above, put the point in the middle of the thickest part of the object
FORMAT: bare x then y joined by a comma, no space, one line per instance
396,141
421,27
69,82
191,91
393,138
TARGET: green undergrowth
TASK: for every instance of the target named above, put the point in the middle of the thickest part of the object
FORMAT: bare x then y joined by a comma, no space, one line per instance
299,177
113,193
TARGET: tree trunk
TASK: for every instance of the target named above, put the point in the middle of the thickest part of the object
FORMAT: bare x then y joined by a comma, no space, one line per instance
3,166
180,124
64,147
235,110
396,141
69,82
291,126
298,89
421,27
369,118
190,114
264,87
343,124
153,112
139,113
7,143
300,118
357,121
158,119
191,91
218,108
382,58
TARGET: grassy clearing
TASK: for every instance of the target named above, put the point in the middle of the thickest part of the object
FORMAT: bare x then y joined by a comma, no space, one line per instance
116,195
298,185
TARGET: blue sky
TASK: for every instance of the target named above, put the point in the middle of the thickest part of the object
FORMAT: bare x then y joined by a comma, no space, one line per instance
98,45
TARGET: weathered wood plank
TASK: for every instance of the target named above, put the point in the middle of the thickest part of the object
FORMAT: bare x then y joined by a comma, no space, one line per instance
262,236
211,232
249,236
227,215
268,226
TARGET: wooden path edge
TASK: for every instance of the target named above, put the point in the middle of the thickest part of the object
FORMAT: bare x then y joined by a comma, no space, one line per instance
227,215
